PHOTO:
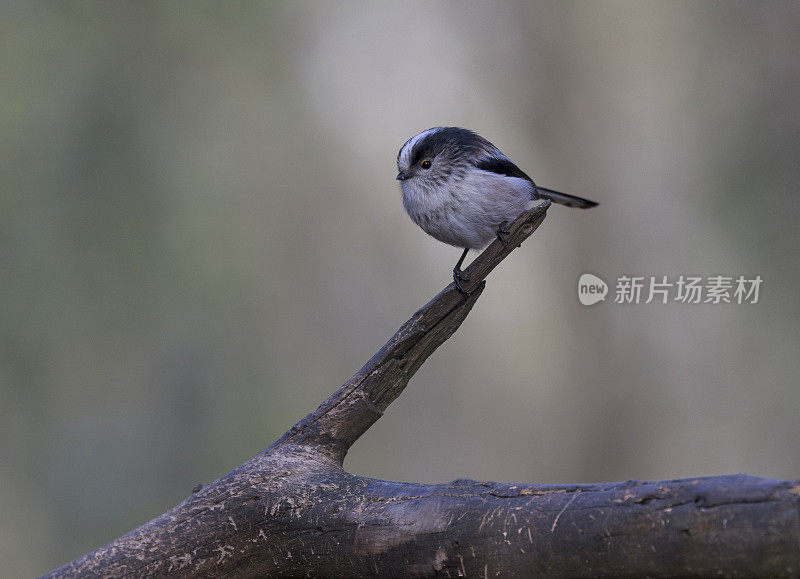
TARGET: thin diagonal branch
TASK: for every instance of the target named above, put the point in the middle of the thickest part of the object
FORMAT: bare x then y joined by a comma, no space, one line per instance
352,409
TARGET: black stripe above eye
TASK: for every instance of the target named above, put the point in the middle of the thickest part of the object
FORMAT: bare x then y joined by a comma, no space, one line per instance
501,166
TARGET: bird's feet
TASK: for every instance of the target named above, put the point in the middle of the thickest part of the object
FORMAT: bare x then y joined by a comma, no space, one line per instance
459,278
503,232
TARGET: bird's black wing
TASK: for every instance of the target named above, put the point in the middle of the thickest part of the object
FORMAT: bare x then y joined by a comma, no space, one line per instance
502,166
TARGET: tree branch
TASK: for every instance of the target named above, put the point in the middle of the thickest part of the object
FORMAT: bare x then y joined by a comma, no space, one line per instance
292,510
351,410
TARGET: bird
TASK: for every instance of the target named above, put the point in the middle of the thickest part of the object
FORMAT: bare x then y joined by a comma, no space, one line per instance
463,191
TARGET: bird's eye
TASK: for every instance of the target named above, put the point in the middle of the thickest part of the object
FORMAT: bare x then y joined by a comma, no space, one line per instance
425,163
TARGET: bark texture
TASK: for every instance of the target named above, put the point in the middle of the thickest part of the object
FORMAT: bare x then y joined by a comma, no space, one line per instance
293,511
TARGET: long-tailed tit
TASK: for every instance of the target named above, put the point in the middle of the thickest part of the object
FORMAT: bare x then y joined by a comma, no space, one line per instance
460,189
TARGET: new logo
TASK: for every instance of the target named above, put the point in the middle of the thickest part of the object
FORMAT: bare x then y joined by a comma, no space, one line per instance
591,289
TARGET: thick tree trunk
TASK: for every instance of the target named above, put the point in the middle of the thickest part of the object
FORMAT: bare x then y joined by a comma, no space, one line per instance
293,511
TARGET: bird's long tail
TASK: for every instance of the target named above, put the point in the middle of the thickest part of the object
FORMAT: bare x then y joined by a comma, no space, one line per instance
562,198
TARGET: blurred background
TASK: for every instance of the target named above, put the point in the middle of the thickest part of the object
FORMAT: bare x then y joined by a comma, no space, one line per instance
201,238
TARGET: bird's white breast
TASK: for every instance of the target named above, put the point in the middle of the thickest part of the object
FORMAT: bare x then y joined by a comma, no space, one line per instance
467,211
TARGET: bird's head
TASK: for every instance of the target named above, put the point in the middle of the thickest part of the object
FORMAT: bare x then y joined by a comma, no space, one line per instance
434,156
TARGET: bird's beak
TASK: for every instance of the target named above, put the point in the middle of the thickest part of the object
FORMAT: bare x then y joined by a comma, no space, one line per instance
400,176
